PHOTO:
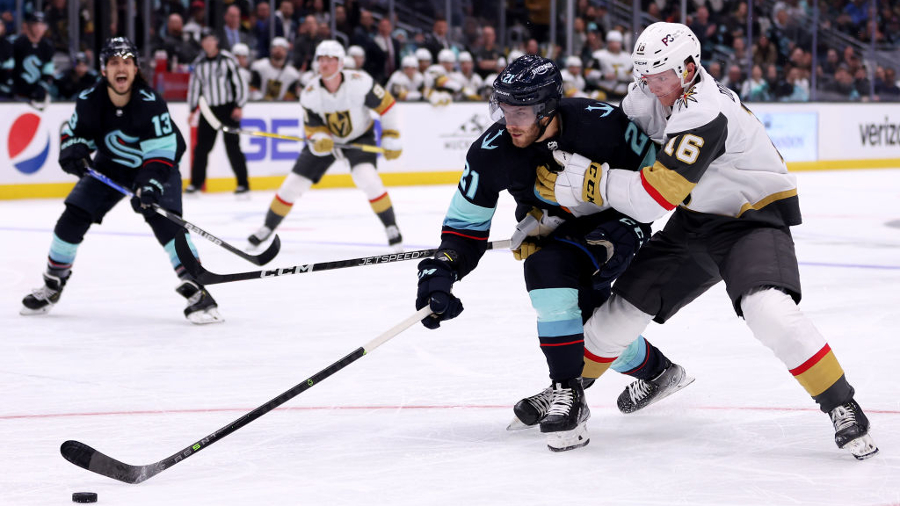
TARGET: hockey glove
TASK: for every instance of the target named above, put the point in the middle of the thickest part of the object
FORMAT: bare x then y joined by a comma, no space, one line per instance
436,277
321,144
75,159
619,241
537,223
578,187
147,195
392,147
526,248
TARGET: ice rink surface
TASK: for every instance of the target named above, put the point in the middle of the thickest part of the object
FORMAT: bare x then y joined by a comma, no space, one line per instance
421,420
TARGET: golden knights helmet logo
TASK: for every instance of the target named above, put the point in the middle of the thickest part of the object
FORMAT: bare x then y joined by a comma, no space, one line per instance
339,123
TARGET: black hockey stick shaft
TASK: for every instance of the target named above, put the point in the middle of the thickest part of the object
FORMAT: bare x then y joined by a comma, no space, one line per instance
211,278
88,458
261,259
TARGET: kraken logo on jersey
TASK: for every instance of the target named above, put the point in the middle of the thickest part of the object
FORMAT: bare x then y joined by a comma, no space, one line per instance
117,142
339,123
32,66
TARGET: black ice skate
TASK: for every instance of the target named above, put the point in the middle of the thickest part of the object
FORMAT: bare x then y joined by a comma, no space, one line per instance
641,393
395,239
258,237
41,300
851,430
566,422
201,308
531,410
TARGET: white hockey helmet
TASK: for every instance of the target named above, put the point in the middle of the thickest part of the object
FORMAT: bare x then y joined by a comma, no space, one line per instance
350,63
240,49
465,56
409,61
665,46
446,56
331,48
356,51
423,54
573,61
514,55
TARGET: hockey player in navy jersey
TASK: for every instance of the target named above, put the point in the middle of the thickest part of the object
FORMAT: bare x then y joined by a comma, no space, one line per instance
571,258
32,72
137,145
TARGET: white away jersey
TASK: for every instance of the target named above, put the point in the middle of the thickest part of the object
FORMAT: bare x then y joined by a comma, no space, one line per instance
405,89
616,70
272,83
716,157
345,114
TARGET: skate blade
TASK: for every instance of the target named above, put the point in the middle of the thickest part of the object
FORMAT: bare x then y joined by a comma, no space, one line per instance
27,311
206,316
517,424
687,380
862,447
564,441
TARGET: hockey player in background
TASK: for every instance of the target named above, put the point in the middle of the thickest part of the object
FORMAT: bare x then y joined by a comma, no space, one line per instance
612,74
734,203
571,258
32,73
137,144
336,110
274,78
407,84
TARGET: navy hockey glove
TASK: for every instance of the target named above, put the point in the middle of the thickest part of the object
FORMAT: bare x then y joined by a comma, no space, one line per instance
619,241
436,277
146,195
75,159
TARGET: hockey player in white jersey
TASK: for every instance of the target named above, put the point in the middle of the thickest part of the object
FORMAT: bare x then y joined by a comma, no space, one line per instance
613,72
440,84
407,84
470,81
241,53
573,81
487,87
337,110
274,78
734,203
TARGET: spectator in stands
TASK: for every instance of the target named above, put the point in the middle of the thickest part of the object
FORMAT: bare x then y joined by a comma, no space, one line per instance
755,89
827,69
260,30
533,47
734,79
858,10
318,10
841,88
594,43
861,82
775,83
486,56
80,76
384,53
487,87
57,17
273,78
196,20
887,88
241,53
285,17
363,33
342,24
6,64
180,48
705,30
232,32
305,43
799,90
764,52
579,35
739,55
438,39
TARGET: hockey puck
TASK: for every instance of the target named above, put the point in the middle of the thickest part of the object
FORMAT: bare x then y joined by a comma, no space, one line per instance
84,497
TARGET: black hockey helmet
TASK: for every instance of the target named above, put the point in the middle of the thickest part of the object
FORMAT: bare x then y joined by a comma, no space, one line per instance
118,46
529,80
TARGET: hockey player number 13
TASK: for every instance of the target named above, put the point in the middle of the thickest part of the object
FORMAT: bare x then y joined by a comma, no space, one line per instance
162,124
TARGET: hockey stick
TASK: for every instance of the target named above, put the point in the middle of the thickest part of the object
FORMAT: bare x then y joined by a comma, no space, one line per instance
88,458
261,259
214,122
211,278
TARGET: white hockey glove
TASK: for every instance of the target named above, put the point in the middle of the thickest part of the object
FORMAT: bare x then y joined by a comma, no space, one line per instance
537,223
439,98
392,147
579,186
321,144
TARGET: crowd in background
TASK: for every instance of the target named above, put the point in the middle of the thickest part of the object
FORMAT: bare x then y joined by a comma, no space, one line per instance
442,62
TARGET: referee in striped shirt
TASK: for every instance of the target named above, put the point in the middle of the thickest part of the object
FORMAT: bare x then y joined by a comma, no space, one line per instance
216,77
